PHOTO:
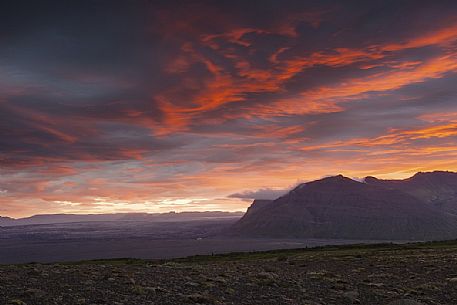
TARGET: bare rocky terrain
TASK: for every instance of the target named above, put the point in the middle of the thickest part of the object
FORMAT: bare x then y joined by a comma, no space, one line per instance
411,274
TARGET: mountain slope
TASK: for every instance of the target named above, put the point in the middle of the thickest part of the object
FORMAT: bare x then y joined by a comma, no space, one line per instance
5,221
338,207
438,188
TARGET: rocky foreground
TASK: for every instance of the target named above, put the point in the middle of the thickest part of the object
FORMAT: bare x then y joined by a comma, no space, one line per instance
384,274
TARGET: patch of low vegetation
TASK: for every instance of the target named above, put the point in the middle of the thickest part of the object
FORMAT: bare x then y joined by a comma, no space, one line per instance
386,274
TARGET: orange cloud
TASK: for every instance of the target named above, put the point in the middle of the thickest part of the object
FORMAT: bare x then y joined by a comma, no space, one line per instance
439,117
224,87
393,138
237,106
386,81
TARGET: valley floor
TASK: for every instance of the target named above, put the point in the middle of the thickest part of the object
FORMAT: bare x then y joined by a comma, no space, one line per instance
378,274
145,240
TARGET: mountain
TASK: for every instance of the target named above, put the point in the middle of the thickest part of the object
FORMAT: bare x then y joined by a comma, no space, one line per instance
181,216
341,208
4,221
157,217
437,188
256,205
59,218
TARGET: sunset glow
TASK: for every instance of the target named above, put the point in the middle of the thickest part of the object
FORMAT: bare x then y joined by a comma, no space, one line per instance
151,106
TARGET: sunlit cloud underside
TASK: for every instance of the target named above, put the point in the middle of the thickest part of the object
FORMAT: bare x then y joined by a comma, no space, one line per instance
149,107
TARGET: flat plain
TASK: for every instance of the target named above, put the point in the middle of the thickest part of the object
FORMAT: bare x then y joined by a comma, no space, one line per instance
148,240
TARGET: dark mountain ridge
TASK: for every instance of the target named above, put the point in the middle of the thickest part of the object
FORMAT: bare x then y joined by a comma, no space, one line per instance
438,188
339,207
153,217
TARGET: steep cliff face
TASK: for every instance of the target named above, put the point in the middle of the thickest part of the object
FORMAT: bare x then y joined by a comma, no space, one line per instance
437,188
257,205
338,207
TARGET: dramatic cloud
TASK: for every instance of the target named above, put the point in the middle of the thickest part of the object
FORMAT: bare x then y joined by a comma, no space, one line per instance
171,105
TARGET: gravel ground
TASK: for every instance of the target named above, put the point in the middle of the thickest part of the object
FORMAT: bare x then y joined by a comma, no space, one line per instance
384,274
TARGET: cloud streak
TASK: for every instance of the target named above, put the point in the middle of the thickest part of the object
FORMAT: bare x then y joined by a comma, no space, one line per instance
156,106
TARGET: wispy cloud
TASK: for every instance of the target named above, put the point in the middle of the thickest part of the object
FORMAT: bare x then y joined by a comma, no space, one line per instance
154,106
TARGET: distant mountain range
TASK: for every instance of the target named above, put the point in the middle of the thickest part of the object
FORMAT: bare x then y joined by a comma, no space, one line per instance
423,207
157,217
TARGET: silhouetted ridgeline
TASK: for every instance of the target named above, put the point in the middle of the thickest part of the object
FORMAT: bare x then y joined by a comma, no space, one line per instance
158,217
422,207
436,188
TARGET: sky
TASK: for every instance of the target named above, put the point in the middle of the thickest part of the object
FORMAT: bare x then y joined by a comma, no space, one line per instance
151,106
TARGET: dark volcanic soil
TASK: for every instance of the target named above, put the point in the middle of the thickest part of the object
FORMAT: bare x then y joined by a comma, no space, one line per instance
371,275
